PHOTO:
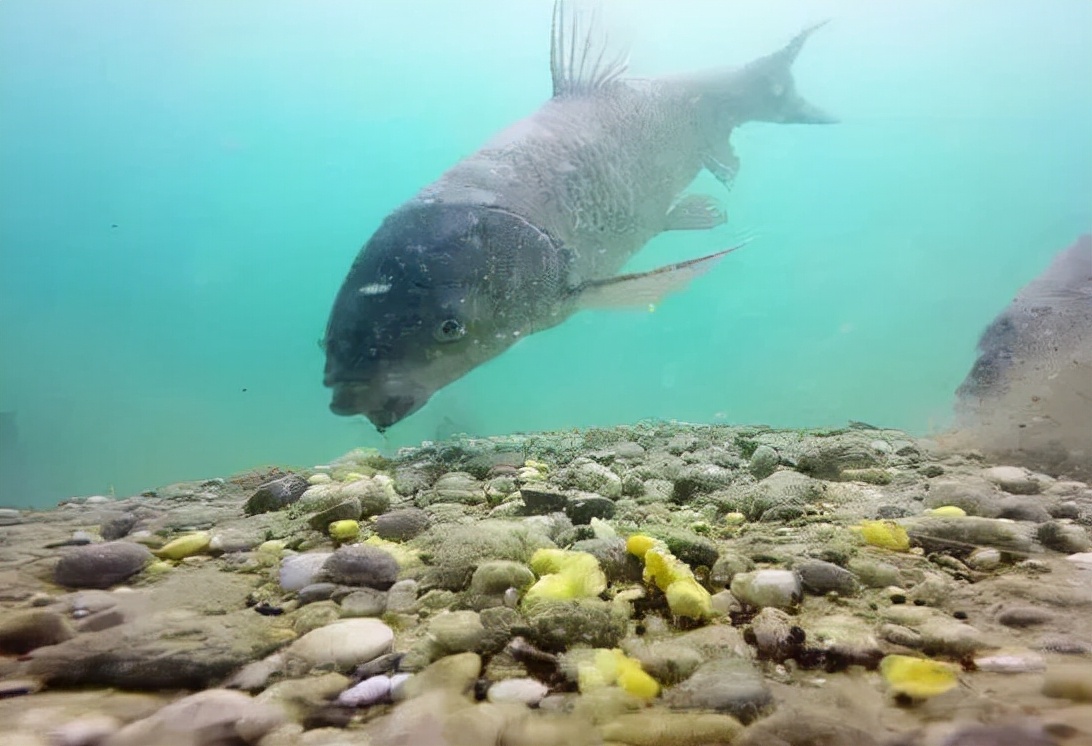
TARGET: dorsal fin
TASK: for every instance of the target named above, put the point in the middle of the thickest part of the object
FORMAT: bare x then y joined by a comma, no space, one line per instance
578,60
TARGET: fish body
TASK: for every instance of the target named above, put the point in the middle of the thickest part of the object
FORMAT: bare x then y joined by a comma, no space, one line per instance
1028,397
536,225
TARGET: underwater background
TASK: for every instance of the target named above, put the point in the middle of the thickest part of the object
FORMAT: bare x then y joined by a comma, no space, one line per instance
183,186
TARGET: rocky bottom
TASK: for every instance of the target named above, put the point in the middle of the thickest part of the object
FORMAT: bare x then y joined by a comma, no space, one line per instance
660,584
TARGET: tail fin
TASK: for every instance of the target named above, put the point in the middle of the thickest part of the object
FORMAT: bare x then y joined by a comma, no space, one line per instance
768,91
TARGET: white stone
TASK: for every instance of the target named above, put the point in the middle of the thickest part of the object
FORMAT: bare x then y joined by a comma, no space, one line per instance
345,644
301,570
517,691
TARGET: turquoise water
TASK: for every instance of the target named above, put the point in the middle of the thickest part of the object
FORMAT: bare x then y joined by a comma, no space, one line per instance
184,184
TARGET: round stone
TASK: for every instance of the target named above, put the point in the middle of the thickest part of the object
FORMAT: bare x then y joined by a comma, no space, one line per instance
101,565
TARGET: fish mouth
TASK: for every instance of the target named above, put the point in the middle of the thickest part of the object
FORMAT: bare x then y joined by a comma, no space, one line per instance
382,408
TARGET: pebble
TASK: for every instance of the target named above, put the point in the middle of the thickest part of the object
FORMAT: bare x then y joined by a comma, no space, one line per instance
368,692
764,462
726,567
100,565
345,644
1022,508
900,635
1064,537
965,530
821,577
524,691
402,597
660,727
1023,616
1070,681
402,524
10,517
976,496
875,573
984,559
301,570
453,673
208,718
25,630
581,509
364,602
372,495
1013,479
667,661
184,546
276,495
1084,559
775,635
457,631
361,565
494,577
729,685
1010,661
344,509
778,588
541,501
88,730
1010,734
950,637
588,476
796,728
117,526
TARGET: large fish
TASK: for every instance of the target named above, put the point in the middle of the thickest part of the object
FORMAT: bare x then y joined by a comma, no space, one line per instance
536,224
1028,397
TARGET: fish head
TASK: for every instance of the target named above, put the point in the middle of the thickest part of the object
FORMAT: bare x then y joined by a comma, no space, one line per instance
433,294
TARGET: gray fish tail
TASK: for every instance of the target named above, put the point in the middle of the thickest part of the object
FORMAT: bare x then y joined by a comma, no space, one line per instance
765,90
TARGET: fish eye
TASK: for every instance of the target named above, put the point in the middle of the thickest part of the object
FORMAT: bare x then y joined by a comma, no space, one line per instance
450,330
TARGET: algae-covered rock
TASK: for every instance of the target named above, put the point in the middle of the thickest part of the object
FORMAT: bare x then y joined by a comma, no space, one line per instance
559,625
276,495
453,552
497,576
588,476
402,524
457,631
781,496
764,462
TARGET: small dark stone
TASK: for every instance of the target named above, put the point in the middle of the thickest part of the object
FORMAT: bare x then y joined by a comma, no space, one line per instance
117,526
268,610
361,565
932,470
275,495
542,502
309,594
1024,616
401,525
1064,510
1020,508
820,577
1064,537
100,565
890,512
582,509
961,615
381,665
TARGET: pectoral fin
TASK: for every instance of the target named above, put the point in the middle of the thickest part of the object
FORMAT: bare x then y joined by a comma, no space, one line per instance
695,212
644,288
723,163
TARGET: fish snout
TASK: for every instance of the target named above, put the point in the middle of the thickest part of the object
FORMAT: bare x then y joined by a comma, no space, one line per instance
383,408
